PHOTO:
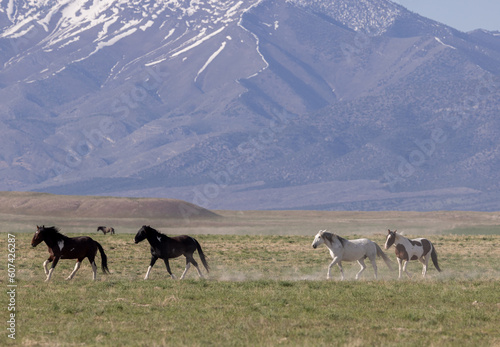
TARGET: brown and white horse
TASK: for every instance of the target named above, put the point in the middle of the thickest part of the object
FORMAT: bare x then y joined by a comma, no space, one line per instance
417,249
63,247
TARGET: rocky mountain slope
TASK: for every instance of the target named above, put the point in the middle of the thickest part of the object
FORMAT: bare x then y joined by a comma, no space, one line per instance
249,104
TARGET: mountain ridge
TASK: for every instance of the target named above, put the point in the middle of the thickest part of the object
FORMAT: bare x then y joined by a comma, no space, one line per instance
197,101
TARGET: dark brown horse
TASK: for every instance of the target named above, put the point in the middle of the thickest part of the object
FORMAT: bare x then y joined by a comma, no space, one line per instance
63,247
106,230
165,247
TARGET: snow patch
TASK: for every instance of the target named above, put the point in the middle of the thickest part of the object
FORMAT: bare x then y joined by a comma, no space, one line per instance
147,25
444,44
199,42
212,57
155,62
115,39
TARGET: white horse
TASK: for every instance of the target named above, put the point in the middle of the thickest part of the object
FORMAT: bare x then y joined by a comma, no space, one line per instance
353,250
407,250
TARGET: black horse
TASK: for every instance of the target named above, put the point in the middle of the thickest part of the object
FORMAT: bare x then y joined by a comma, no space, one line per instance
63,247
165,247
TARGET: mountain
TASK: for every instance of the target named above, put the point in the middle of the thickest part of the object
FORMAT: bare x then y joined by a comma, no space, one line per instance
298,104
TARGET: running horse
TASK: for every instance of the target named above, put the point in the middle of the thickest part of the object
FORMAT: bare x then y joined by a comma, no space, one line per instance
63,247
350,250
407,250
165,248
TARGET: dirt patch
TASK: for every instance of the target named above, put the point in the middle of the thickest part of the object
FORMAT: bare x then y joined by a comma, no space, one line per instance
40,204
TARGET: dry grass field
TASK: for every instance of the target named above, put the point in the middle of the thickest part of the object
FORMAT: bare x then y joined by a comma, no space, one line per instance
267,286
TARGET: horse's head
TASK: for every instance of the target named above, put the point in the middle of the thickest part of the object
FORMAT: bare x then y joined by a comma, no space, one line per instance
318,239
141,234
39,236
391,238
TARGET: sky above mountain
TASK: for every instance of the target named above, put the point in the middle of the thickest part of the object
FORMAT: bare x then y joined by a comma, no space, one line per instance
464,15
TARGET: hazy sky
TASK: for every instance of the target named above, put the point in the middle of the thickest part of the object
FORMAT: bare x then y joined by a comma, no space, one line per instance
464,15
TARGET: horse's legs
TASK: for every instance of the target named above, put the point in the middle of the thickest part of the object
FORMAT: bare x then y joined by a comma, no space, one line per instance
361,263
94,270
188,265
77,266
400,262
335,260
405,263
424,260
198,269
51,258
339,264
151,263
94,267
168,268
189,261
54,263
91,259
374,265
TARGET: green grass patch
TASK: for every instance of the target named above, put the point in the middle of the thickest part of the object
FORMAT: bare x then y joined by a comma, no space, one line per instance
474,230
262,291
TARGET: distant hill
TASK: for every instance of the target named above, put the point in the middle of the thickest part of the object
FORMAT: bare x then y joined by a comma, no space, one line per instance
298,104
41,204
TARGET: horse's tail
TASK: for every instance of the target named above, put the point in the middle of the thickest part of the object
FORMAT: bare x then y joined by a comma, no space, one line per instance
434,258
104,258
381,253
202,255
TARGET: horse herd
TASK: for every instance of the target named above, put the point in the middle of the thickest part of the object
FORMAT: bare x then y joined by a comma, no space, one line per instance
358,250
164,247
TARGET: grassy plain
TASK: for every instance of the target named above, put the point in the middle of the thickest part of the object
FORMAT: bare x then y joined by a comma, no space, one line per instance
266,287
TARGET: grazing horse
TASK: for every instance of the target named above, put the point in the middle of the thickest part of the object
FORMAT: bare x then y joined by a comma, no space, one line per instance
353,250
106,230
165,247
407,250
63,247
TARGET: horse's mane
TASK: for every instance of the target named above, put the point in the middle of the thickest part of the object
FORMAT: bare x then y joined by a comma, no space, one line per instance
342,240
331,235
53,231
153,229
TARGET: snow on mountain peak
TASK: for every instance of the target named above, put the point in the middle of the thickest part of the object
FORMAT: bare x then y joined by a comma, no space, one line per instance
370,16
65,21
